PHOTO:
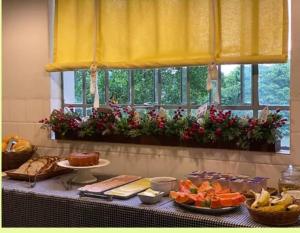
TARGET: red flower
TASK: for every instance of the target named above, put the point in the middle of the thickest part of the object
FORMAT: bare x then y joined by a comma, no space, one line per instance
186,136
201,130
161,125
231,122
218,132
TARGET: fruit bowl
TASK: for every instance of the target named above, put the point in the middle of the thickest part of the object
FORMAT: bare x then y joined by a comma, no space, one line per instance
276,218
13,160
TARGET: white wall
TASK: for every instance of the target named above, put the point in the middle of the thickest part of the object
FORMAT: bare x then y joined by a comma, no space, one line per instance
26,99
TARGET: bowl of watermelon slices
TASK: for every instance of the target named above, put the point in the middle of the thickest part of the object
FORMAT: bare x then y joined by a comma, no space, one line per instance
207,197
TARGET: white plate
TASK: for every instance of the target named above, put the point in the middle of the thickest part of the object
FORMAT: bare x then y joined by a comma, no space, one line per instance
65,163
84,175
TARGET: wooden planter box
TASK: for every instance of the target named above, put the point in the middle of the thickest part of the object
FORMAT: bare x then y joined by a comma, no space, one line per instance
264,146
162,140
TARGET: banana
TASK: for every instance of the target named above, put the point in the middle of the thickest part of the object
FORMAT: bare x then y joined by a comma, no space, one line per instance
286,200
263,199
271,209
293,207
256,195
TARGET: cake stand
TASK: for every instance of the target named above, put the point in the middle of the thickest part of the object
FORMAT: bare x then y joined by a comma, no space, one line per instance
84,175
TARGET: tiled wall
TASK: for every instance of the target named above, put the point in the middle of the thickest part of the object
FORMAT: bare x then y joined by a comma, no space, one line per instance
27,99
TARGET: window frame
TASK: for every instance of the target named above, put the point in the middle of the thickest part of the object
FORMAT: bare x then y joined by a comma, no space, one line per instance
185,93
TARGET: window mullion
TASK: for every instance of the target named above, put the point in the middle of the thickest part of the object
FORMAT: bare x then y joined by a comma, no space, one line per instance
157,77
188,91
184,88
84,93
106,85
131,87
62,90
242,84
219,87
255,96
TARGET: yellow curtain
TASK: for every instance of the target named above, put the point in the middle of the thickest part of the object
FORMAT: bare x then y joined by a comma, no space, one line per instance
74,29
153,33
156,33
252,31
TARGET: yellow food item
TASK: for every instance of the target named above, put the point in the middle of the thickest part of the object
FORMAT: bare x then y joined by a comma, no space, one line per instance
257,195
4,145
293,207
22,145
261,199
286,200
7,138
272,209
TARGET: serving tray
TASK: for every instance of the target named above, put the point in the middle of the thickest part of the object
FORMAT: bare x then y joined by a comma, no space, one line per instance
129,190
114,182
19,176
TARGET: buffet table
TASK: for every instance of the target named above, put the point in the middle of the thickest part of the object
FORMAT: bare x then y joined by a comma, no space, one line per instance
50,204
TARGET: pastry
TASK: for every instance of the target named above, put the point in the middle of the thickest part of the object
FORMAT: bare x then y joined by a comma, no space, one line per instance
84,159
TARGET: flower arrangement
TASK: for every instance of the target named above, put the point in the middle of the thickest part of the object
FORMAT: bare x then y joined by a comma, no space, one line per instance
260,130
209,128
100,122
214,126
63,122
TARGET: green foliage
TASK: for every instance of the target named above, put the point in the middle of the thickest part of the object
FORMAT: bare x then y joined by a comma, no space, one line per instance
119,85
231,91
149,126
143,86
274,84
122,127
171,83
198,79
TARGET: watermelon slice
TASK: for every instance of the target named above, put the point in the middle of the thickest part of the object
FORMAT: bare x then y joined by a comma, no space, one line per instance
205,186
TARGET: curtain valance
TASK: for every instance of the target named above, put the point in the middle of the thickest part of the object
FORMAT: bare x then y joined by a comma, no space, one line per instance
156,33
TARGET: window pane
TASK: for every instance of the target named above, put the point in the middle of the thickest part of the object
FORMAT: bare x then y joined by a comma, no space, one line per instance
198,78
285,130
88,111
231,84
274,84
101,87
242,113
141,110
119,86
143,86
77,110
247,84
171,112
170,86
72,83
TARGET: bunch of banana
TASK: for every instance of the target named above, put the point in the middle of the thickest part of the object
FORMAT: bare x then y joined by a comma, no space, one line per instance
267,203
14,143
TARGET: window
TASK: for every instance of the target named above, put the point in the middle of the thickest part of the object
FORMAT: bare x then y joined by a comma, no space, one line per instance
244,89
